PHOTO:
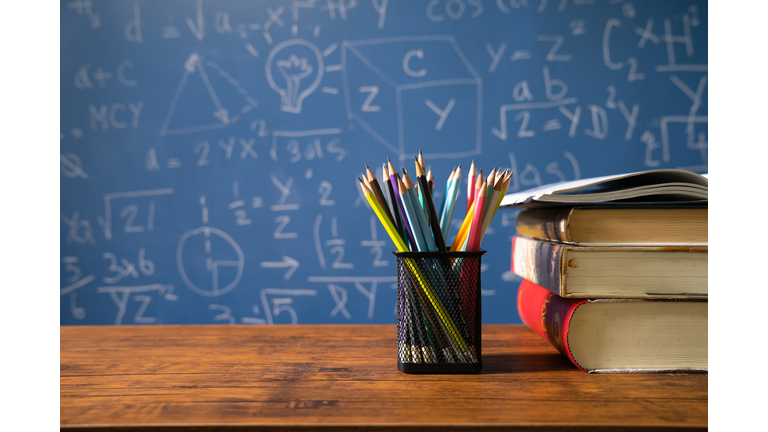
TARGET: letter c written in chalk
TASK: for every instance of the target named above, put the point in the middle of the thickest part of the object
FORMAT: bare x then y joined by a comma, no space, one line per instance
406,60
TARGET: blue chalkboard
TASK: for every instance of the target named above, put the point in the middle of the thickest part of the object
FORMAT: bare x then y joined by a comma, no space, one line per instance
209,150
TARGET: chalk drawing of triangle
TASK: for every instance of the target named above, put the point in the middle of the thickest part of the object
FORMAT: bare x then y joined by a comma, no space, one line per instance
196,106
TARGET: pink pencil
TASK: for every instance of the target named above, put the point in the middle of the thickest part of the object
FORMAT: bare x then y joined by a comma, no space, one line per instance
470,186
477,220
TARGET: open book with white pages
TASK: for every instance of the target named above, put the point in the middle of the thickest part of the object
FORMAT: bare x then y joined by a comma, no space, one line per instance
654,186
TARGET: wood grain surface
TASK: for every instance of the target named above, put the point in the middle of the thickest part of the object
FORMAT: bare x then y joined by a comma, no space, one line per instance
325,377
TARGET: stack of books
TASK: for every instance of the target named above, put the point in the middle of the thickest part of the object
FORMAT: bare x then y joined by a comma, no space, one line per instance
615,270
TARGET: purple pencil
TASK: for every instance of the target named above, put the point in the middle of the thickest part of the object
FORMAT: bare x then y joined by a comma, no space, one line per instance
394,177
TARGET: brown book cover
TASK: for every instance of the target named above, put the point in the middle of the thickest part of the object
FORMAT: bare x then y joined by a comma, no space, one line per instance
616,226
612,271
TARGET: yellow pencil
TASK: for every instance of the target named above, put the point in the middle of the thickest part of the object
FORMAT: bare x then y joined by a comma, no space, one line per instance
383,218
441,312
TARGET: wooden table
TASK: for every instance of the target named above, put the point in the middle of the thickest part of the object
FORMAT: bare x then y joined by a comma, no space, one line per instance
212,378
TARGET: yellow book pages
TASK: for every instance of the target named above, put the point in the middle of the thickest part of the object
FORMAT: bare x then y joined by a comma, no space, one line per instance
612,271
616,226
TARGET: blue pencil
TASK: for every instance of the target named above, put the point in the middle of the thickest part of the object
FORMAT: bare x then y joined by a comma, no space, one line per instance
411,216
422,219
445,196
452,193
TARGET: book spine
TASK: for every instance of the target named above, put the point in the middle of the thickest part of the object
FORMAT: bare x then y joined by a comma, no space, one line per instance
548,314
539,262
548,224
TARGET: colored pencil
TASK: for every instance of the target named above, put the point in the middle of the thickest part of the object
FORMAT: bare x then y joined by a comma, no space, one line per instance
407,230
477,221
383,218
470,186
413,351
445,195
490,208
435,224
417,322
420,158
431,246
478,185
452,193
431,324
461,235
376,189
391,200
472,243
434,320
489,182
409,216
392,171
412,217
504,187
503,176
452,330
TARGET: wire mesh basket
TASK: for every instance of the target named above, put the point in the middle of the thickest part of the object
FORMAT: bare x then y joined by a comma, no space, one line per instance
439,312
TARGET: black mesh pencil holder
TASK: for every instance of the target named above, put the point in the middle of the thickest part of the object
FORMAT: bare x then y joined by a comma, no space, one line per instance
439,312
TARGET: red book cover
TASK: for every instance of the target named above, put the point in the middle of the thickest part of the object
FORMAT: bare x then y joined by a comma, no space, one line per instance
547,314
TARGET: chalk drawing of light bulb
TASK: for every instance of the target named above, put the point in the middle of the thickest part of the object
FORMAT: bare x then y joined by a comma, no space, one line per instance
293,70
296,62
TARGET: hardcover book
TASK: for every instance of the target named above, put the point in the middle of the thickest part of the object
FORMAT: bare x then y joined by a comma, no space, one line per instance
619,335
612,271
616,226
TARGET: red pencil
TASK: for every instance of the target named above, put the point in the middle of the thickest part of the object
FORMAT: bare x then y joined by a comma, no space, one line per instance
475,230
478,182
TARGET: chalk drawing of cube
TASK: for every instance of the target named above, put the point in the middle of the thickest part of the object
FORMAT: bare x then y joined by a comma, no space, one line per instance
414,93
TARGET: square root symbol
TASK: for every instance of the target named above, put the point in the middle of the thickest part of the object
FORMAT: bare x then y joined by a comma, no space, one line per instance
414,93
